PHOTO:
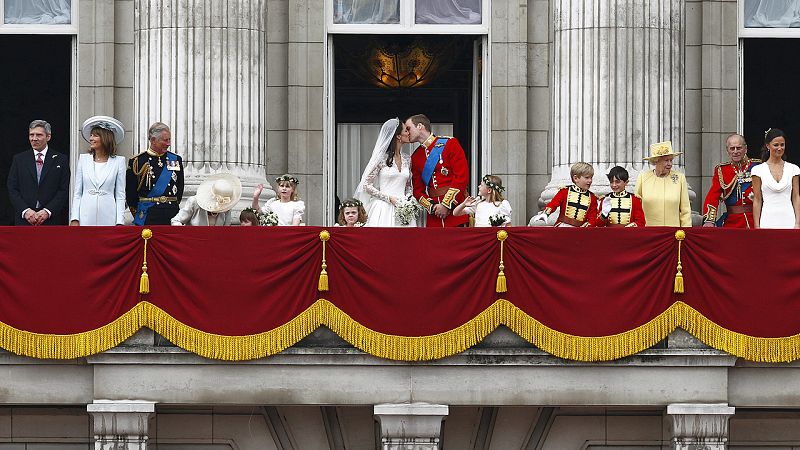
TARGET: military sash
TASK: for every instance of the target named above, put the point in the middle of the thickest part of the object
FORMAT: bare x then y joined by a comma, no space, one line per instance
158,190
433,158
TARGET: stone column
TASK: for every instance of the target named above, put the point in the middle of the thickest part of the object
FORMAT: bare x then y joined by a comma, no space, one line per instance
618,85
410,426
700,426
120,425
201,68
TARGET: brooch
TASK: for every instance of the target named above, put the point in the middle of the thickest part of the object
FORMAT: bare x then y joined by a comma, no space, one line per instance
674,178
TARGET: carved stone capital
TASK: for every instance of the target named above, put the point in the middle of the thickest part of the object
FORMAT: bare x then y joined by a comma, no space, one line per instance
700,426
410,426
120,425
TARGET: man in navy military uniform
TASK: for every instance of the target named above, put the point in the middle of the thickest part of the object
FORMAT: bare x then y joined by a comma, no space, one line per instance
154,185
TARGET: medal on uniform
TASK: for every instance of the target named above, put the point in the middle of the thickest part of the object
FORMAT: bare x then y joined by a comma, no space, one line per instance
444,171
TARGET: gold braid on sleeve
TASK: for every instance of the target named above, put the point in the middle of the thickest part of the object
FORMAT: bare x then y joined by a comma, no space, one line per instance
141,174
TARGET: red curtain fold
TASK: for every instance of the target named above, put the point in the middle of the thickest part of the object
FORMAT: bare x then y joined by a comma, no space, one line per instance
62,280
412,282
746,281
234,281
591,281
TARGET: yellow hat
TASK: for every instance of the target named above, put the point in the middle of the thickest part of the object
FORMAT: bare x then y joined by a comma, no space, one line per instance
660,149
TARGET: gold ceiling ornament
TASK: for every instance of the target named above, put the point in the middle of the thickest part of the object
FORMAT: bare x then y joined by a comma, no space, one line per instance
395,63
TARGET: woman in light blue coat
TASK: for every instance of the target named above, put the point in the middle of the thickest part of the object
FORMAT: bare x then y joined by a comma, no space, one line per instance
99,196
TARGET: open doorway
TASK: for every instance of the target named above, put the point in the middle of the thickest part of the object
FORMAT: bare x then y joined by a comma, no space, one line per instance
35,84
436,75
771,95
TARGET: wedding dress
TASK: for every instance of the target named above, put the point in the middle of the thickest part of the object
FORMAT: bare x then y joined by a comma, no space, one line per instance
380,183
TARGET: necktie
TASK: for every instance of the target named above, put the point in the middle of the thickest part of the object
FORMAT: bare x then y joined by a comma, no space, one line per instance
39,165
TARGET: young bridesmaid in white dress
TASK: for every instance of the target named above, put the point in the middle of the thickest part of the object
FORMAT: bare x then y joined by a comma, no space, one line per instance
286,204
776,189
490,203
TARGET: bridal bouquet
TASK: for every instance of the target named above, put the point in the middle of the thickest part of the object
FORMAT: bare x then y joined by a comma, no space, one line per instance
269,219
498,220
406,210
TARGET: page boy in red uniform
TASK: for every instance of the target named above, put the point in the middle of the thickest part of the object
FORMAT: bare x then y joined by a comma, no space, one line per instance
577,205
620,208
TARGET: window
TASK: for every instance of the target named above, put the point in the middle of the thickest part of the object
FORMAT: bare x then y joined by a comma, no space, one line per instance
38,16
407,16
769,18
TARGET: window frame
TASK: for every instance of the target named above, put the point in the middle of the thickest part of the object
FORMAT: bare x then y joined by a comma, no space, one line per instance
407,25
24,28
748,32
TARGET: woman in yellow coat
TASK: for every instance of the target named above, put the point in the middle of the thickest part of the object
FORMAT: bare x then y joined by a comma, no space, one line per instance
664,192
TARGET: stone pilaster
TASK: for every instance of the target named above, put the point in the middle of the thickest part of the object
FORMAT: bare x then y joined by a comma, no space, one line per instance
509,66
410,426
120,425
700,426
201,68
618,85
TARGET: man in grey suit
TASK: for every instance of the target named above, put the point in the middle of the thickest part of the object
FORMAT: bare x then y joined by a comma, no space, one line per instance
38,181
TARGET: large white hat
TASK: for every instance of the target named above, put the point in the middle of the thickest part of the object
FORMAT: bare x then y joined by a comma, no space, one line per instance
105,122
219,192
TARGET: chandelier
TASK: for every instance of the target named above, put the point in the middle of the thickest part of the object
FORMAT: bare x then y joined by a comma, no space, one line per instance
397,63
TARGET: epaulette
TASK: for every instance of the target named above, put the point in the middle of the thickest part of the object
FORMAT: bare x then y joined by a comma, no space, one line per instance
728,163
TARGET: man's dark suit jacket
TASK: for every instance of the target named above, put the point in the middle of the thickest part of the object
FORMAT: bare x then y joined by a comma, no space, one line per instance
51,191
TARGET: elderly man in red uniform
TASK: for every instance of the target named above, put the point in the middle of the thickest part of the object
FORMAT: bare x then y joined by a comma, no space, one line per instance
439,173
732,184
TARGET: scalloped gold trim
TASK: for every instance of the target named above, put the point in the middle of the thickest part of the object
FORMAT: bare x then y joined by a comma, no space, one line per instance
400,348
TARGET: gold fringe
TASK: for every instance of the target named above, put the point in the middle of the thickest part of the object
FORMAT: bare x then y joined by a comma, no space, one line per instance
322,286
144,281
400,348
680,235
501,287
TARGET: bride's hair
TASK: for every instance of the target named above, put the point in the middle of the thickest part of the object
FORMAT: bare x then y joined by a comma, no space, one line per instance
390,148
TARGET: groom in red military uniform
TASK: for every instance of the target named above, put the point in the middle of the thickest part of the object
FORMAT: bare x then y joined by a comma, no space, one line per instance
439,173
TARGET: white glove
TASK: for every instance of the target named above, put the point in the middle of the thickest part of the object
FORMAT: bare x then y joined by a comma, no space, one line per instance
606,208
541,217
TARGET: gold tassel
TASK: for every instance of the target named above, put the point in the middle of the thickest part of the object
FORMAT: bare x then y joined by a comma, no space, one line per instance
502,235
144,281
680,235
323,276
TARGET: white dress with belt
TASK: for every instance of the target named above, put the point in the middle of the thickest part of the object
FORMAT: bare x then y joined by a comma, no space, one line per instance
99,196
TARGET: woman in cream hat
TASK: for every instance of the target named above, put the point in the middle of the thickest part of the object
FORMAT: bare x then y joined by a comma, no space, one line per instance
99,195
212,205
664,192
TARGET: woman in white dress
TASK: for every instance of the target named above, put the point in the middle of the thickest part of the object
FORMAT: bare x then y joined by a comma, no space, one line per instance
387,178
99,196
776,189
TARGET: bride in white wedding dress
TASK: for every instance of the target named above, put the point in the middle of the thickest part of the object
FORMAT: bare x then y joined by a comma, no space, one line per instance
387,178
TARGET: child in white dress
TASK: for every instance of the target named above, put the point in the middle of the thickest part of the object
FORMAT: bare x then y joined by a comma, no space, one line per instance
286,204
490,208
351,214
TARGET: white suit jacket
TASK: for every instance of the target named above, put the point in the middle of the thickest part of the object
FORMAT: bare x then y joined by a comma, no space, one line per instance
99,196
192,214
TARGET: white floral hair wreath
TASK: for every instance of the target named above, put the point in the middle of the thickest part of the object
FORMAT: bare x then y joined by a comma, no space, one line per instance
352,203
287,177
491,185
